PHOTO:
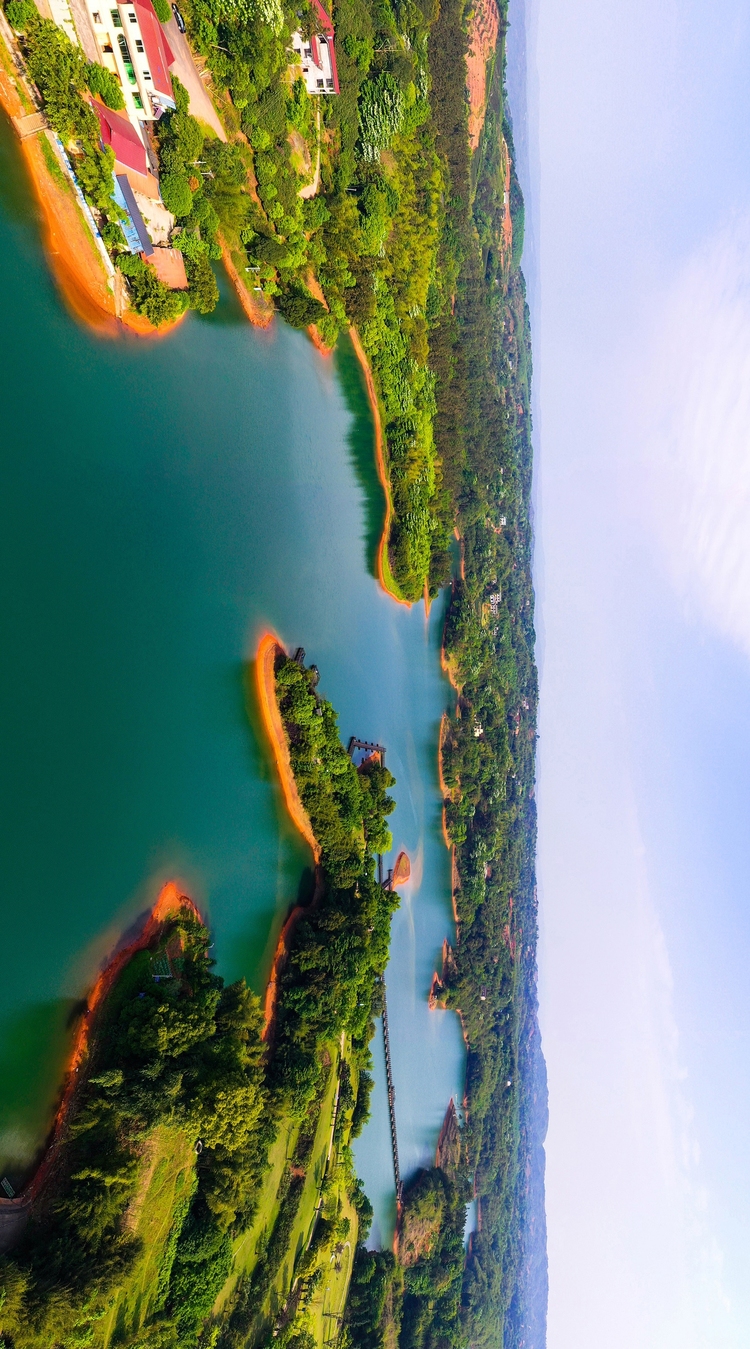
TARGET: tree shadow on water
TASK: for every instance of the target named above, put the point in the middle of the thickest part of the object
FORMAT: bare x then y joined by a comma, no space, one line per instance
34,1045
361,444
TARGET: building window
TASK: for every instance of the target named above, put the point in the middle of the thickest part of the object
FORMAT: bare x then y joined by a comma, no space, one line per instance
132,17
97,17
146,75
308,53
138,102
126,61
116,20
320,84
107,48
329,84
138,45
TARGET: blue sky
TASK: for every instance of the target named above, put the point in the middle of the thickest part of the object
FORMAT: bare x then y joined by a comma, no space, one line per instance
639,135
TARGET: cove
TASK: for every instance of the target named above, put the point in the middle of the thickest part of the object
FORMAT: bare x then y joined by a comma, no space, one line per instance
161,504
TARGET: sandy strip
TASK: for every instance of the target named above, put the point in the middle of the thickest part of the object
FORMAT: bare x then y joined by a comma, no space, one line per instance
269,648
170,902
379,463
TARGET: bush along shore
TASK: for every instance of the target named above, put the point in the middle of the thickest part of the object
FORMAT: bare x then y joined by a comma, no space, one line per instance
202,1192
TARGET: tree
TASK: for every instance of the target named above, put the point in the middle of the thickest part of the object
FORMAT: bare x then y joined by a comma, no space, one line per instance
204,292
299,307
176,194
104,85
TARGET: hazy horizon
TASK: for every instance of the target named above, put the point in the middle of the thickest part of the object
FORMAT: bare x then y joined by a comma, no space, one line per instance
640,214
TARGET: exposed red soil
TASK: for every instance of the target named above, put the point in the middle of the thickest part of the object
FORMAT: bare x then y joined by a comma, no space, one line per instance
485,25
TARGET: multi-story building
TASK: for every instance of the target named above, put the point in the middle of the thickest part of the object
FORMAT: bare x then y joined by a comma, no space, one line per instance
133,45
317,55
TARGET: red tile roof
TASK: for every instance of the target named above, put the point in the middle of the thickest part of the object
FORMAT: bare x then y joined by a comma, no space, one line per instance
325,19
334,67
122,136
158,51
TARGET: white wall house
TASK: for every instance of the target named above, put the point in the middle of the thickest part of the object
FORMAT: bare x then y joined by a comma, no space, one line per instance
317,55
133,45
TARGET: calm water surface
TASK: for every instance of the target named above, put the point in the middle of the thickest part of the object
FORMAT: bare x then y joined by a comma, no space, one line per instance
161,504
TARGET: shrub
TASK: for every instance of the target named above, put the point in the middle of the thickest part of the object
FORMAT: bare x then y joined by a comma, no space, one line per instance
204,292
163,10
104,85
381,114
20,13
299,307
176,194
150,296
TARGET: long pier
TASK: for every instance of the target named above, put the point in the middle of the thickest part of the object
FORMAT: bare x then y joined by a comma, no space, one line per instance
391,1102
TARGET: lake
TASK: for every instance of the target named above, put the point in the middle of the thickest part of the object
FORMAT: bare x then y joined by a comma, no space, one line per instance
162,503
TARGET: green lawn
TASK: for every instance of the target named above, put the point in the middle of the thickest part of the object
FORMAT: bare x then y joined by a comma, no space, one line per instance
328,1302
167,1182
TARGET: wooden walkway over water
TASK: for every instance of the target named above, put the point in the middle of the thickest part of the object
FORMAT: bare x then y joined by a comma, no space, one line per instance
391,1102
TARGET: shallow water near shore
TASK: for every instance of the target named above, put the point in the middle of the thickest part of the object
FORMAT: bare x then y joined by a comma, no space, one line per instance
161,504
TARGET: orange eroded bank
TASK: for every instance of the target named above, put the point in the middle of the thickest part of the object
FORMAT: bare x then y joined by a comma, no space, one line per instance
269,648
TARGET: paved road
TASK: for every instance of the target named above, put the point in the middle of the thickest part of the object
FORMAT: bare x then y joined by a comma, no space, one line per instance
185,70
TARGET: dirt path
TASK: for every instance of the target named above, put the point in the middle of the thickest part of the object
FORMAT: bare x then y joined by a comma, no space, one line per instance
258,311
311,189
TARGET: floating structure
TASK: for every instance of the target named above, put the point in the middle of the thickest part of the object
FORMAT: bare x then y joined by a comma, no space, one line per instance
365,751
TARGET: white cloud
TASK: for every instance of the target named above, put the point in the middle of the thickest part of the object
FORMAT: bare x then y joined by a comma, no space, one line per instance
696,431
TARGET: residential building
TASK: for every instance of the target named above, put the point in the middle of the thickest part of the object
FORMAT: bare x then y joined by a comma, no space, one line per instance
133,45
317,55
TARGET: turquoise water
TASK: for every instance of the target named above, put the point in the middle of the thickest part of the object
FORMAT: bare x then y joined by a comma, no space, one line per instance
161,504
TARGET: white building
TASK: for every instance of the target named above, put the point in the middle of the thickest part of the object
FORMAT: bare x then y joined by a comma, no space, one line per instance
133,45
317,55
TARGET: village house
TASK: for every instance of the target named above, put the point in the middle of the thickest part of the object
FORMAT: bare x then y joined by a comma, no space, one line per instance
133,45
317,55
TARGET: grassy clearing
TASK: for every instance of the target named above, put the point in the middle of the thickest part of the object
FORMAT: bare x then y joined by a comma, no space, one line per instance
53,164
323,1198
167,1182
327,1306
